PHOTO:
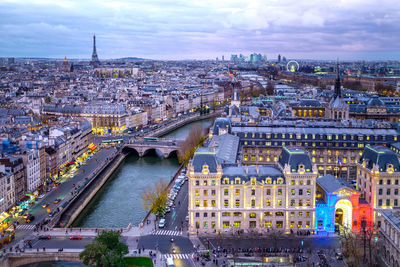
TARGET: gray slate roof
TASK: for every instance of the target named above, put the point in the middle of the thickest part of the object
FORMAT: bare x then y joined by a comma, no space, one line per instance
382,156
226,148
204,156
330,183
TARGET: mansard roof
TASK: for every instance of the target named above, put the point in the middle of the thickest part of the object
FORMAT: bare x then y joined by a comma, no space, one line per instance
382,156
294,157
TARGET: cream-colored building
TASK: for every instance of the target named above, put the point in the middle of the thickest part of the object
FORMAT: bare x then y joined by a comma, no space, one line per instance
378,176
389,238
228,197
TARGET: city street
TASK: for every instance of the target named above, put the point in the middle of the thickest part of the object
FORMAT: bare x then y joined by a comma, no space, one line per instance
23,230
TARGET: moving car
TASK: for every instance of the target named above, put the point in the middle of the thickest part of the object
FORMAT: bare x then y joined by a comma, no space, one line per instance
75,237
161,224
30,218
45,205
57,200
44,237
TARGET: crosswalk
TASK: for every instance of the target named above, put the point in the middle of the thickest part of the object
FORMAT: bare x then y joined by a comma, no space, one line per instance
178,256
25,227
167,232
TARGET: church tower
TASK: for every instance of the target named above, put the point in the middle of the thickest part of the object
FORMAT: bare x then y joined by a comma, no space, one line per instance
95,59
337,109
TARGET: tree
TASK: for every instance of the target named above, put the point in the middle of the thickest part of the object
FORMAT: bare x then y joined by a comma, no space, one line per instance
155,198
351,247
105,250
192,141
270,88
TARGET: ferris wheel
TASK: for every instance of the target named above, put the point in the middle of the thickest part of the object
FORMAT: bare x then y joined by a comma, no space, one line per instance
292,66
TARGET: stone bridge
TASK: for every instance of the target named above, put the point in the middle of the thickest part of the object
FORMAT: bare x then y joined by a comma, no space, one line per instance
164,146
19,259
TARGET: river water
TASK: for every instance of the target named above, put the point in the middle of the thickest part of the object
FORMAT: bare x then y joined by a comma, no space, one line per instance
119,201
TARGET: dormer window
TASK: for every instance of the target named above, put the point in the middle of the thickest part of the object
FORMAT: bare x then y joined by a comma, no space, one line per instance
268,181
301,168
205,169
253,181
226,180
389,168
237,180
280,181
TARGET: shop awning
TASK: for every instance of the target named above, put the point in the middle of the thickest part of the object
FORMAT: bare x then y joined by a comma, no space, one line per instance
92,146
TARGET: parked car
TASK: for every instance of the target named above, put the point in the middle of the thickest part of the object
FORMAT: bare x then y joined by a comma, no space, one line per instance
57,200
45,205
187,218
75,237
161,223
44,237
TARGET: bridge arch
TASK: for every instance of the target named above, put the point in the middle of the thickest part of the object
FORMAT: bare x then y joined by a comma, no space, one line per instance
153,151
130,150
173,153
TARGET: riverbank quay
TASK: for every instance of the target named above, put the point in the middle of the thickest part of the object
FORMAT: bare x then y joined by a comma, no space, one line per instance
93,182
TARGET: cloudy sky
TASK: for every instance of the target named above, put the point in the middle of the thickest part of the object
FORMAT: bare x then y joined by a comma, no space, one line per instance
201,29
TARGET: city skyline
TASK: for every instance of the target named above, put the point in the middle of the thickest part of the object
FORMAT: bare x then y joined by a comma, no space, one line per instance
350,30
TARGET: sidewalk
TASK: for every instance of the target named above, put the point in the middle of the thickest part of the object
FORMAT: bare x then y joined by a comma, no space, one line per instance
196,242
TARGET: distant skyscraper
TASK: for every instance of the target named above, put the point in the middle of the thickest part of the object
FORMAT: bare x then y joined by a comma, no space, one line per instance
223,58
279,58
95,60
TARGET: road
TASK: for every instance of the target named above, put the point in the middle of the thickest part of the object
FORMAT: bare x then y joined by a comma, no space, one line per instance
23,230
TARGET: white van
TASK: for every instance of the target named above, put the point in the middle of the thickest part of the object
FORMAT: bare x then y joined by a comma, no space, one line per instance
170,262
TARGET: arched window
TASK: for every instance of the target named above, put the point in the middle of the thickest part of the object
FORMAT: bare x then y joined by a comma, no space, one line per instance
280,181
237,180
268,181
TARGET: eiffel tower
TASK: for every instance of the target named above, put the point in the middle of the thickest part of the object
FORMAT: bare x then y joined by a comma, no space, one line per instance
95,62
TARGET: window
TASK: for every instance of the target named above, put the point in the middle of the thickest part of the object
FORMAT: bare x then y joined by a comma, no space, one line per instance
388,192
205,215
197,192
388,181
279,192
291,224
380,202
293,191
237,224
253,203
279,202
253,192
205,225
225,225
237,180
212,203
226,180
292,214
396,182
280,180
197,225
387,202
292,182
197,203
212,182
237,192
308,192
252,215
396,192
308,214
292,202
279,214
213,225
300,214
308,203
279,224
226,203
380,181
307,224
197,214
213,192
252,224
268,192
300,192
380,191
268,181
226,192
268,202
299,224
205,193
395,202
226,214
205,182
205,203
237,214
267,214
213,214
300,202
197,182
308,182
253,181
237,203
267,224
300,182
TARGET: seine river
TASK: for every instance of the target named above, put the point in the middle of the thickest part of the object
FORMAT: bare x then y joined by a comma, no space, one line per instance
119,202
